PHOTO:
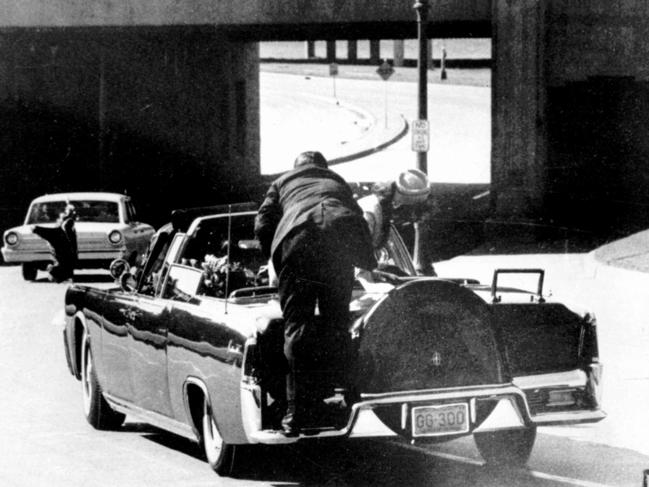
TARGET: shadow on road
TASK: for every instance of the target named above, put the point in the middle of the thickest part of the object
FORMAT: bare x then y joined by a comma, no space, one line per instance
338,463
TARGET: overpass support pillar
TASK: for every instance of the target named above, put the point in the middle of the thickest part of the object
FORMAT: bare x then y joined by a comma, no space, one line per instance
331,51
352,51
310,49
519,140
375,52
399,52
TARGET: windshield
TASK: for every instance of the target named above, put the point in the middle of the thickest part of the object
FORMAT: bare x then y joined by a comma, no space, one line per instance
87,211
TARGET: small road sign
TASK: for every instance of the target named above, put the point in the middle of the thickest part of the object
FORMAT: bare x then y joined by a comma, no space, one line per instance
420,135
333,69
385,70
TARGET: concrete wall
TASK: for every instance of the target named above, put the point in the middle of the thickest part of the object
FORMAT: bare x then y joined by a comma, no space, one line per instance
169,117
598,100
66,13
518,108
571,94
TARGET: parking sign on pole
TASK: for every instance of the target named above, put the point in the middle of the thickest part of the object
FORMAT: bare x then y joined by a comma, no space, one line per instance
420,135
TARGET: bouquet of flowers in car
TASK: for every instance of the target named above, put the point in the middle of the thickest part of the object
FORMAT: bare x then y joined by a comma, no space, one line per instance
218,273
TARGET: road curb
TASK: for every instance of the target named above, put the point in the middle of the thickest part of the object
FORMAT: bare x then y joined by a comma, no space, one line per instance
379,147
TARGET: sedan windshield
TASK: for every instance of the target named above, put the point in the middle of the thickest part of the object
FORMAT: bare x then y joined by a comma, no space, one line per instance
87,211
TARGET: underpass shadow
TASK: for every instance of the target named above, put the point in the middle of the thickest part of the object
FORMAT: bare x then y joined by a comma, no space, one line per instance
341,463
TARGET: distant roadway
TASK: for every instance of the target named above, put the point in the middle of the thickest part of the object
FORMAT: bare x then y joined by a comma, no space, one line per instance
300,113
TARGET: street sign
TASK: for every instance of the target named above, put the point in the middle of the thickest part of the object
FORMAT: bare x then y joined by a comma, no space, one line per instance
385,70
420,135
333,69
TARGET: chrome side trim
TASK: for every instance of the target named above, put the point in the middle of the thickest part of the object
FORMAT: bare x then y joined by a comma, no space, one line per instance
568,417
155,419
573,378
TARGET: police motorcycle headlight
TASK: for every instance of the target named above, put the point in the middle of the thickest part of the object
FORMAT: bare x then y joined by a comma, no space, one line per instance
11,238
115,237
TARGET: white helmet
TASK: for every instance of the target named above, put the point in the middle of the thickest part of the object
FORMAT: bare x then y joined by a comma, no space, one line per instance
412,187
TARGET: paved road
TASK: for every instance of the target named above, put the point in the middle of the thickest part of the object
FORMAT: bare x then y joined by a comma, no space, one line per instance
46,441
299,113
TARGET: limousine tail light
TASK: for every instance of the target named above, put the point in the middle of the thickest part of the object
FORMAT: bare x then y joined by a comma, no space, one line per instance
115,237
11,238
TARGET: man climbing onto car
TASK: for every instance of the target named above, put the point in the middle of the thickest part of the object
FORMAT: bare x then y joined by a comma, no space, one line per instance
313,230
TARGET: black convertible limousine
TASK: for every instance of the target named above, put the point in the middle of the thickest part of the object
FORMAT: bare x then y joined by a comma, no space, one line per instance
191,342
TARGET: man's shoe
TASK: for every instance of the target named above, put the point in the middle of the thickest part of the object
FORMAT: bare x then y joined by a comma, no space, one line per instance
290,426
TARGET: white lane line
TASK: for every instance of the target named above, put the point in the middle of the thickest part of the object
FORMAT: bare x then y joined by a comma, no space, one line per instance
565,480
532,473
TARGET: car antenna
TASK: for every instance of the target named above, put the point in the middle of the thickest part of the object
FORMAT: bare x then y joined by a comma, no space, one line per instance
227,259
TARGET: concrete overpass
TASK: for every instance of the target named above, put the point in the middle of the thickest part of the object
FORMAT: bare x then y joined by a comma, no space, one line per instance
153,95
256,19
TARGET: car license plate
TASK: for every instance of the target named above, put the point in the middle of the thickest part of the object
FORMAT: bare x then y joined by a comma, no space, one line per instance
440,420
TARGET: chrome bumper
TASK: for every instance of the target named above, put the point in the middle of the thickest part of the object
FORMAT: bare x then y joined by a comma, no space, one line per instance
17,256
511,411
20,256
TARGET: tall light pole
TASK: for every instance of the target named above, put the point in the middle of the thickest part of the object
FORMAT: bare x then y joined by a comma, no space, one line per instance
421,6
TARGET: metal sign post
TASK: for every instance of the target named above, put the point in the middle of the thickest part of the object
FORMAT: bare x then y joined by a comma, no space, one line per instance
333,72
385,70
421,7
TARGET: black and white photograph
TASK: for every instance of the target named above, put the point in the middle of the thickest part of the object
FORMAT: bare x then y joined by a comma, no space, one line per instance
324,243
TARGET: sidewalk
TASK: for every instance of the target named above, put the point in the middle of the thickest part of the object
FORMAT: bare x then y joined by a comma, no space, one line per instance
631,253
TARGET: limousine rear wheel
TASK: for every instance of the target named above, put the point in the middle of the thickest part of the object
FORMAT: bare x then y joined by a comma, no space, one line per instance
509,447
219,454
97,411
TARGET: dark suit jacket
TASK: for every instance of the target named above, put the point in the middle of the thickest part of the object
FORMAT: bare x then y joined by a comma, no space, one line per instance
63,240
317,196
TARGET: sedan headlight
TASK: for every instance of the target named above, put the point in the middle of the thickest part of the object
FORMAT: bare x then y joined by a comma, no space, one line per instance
11,238
115,237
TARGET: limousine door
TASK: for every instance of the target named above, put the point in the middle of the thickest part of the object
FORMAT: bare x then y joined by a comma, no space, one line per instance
148,355
114,369
148,345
